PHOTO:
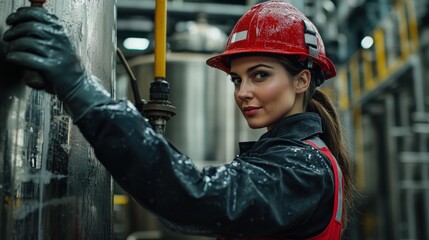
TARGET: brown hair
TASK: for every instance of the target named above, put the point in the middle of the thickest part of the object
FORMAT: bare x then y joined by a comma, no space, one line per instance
318,102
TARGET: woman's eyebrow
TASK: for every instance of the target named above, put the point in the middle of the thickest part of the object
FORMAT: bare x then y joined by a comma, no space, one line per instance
250,69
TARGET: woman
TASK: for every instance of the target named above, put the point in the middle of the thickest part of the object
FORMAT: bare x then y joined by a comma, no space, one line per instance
293,183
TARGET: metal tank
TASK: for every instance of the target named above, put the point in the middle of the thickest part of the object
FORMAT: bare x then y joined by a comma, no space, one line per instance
51,185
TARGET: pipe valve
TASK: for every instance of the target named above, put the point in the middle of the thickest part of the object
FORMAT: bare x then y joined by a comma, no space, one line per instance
159,109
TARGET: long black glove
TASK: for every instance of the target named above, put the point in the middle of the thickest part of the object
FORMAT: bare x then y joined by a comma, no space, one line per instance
9,73
37,41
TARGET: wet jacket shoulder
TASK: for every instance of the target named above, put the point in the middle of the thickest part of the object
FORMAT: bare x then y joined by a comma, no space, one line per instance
278,186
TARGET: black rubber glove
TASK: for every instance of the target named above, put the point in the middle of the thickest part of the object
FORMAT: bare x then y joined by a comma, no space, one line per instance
9,73
37,41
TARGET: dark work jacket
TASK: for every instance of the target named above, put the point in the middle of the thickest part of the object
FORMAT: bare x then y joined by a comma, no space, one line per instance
278,186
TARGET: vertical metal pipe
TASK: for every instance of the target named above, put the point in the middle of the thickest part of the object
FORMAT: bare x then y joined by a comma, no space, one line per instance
419,98
392,169
409,170
159,109
51,185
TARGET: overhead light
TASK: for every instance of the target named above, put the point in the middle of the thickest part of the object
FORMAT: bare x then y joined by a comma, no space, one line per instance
367,42
136,43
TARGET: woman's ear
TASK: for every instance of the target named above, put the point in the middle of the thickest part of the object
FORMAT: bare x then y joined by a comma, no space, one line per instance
302,81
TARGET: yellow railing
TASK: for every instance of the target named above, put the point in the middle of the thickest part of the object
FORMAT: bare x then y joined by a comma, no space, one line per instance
362,78
368,69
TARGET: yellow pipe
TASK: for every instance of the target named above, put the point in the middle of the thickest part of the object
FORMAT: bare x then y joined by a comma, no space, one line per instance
120,199
359,148
380,54
355,78
160,38
343,89
412,21
403,31
367,71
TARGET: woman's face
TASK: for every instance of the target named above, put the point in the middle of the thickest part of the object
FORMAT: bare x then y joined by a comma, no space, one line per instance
265,91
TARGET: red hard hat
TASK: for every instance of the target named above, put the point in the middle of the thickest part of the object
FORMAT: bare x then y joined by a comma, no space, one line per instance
275,27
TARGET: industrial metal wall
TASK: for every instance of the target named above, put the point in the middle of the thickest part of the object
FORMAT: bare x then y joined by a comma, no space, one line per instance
51,185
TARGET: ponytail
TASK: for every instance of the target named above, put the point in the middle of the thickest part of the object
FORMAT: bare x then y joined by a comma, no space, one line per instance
319,103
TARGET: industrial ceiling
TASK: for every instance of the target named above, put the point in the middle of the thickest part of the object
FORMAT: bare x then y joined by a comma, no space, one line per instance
336,20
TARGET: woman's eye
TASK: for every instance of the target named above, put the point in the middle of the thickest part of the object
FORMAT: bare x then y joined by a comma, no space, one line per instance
235,80
260,75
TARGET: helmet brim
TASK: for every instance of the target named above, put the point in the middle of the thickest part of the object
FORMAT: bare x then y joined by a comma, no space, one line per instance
222,61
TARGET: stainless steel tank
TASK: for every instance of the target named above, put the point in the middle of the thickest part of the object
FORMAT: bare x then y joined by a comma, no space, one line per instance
51,185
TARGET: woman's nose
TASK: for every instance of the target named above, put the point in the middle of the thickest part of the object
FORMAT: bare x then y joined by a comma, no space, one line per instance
245,91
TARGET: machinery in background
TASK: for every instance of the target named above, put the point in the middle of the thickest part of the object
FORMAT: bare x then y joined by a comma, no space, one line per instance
383,94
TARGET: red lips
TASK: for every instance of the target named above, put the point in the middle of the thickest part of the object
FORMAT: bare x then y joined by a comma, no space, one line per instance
250,111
